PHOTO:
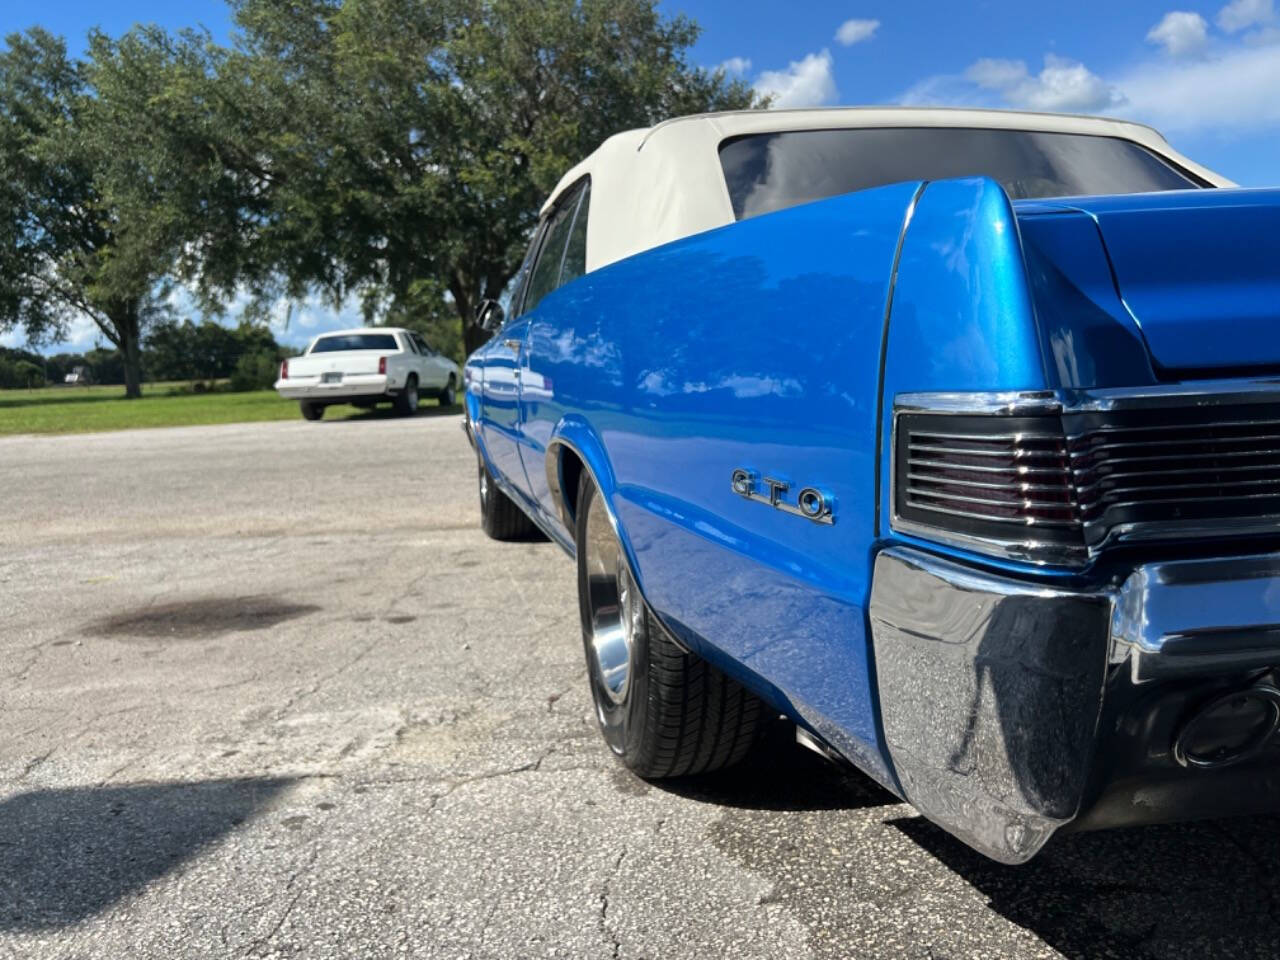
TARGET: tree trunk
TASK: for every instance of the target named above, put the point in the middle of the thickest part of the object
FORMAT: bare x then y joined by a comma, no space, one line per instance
128,330
473,337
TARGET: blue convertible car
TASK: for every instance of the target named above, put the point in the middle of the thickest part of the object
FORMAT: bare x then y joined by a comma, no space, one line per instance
953,436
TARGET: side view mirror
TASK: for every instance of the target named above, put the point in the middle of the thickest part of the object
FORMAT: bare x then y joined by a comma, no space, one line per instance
489,315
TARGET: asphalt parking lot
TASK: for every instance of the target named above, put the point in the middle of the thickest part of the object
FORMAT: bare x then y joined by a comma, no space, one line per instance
269,691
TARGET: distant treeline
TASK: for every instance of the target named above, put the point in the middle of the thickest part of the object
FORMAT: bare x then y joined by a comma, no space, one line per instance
247,355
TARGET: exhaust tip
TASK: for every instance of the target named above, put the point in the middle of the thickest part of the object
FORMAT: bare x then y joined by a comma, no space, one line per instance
811,742
1229,728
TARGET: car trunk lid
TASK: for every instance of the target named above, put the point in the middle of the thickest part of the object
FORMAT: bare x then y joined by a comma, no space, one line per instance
1199,270
347,362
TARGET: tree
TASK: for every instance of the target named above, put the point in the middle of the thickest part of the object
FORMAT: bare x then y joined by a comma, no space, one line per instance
538,87
204,351
19,369
66,248
399,150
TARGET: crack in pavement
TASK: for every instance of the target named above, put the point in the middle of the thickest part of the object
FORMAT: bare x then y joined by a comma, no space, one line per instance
33,763
605,890
294,700
262,941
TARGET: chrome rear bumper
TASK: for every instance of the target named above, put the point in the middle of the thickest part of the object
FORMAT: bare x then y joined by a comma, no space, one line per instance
1012,709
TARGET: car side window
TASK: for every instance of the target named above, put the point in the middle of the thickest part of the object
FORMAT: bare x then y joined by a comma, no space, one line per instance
424,348
575,255
511,296
409,345
546,271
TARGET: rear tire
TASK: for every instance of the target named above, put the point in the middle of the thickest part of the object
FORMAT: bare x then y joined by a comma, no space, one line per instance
311,411
406,401
499,515
663,712
449,395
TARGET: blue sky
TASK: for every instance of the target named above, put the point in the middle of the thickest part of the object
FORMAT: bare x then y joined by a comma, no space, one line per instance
1205,74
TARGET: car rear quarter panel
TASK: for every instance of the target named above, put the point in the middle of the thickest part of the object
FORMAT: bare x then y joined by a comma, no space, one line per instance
962,318
753,346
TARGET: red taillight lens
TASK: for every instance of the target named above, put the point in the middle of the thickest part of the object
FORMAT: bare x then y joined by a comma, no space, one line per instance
284,370
1005,484
382,365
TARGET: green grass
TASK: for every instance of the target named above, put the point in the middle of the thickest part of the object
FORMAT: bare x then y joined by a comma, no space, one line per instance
95,409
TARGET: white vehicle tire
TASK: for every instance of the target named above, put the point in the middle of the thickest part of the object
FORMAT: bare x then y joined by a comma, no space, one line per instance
407,399
449,395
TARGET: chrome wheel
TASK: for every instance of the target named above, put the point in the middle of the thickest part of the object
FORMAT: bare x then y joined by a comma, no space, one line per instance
662,711
613,606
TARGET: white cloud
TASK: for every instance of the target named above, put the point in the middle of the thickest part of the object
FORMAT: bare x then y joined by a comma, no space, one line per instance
1230,88
82,334
1234,91
805,83
992,74
736,66
1063,84
1180,33
1263,36
855,31
944,90
1240,14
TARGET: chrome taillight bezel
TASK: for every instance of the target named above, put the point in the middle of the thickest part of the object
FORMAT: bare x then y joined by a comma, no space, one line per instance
1211,421
1006,414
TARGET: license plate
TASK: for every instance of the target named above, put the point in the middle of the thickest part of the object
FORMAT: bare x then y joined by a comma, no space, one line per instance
330,378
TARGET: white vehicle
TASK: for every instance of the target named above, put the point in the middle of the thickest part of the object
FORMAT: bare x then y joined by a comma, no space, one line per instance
366,367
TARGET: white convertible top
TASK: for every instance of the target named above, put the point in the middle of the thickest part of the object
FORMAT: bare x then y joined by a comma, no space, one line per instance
655,185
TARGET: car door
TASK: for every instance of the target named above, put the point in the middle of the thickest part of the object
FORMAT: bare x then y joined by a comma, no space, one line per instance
500,403
540,408
412,360
436,368
504,360
499,394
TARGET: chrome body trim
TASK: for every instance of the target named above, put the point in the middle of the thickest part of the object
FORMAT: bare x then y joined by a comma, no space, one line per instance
1012,710
1031,402
1196,616
1011,403
551,465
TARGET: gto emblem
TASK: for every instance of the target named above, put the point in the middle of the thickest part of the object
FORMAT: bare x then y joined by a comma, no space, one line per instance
810,503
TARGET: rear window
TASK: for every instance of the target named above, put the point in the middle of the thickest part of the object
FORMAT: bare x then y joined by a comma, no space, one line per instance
355,341
771,171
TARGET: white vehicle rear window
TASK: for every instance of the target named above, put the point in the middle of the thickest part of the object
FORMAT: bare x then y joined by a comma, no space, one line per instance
355,341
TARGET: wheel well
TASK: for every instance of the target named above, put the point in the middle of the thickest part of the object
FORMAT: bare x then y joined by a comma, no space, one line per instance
570,478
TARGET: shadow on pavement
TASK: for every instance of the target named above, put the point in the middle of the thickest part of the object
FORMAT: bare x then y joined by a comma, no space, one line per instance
779,774
388,412
16,399
67,854
1204,889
